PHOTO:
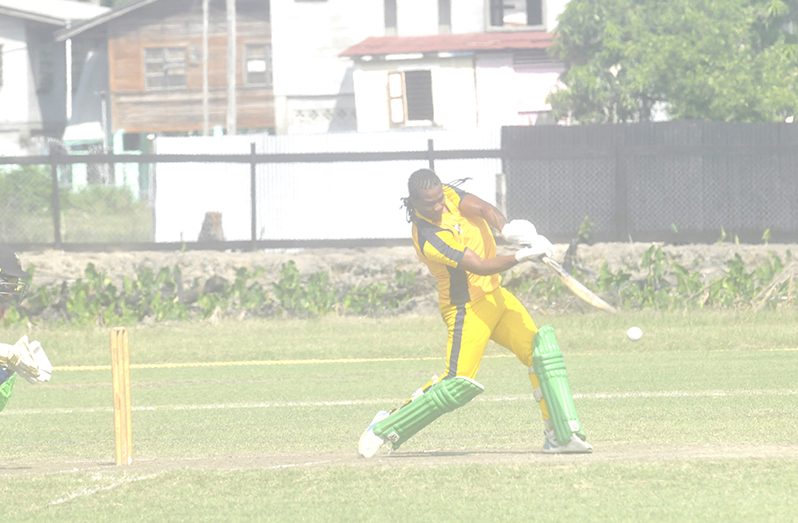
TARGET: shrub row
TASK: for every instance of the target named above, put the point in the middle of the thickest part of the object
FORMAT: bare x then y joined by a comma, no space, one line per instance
656,281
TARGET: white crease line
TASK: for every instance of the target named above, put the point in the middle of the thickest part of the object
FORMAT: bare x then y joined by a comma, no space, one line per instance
278,363
85,492
260,363
352,403
296,465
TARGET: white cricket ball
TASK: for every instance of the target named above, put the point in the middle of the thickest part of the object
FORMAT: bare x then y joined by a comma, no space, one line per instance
634,333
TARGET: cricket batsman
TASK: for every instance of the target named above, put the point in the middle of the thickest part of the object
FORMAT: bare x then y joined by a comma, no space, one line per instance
453,235
25,358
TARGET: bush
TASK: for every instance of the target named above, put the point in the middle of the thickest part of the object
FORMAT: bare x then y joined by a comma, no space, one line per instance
25,189
655,282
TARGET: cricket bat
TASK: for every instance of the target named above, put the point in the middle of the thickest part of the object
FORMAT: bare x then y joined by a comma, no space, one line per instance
579,290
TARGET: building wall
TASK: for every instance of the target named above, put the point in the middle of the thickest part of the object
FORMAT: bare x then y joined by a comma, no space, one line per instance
552,10
48,80
453,93
491,94
32,95
312,85
14,110
416,17
314,88
468,16
510,95
471,16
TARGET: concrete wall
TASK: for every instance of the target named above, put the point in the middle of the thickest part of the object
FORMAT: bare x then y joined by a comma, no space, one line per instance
304,201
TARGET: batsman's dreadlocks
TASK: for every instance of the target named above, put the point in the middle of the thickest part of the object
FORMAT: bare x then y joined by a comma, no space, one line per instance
421,180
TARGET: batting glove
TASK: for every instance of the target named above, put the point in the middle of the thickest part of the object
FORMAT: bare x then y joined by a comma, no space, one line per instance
539,246
519,231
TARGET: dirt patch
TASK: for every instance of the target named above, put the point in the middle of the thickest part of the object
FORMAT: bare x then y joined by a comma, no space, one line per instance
56,266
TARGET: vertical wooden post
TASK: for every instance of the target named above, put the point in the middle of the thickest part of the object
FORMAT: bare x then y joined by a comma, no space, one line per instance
55,200
120,373
430,155
253,196
621,197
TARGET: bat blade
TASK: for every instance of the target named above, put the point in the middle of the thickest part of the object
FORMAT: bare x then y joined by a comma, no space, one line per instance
579,290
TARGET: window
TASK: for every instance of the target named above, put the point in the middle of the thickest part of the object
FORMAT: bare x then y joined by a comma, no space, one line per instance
510,14
390,16
410,97
258,64
131,142
164,68
531,58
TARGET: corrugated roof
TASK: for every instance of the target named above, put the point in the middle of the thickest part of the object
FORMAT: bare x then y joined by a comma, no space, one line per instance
114,13
56,12
384,45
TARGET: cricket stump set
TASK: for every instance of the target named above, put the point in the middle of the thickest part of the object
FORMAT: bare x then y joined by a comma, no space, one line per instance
120,374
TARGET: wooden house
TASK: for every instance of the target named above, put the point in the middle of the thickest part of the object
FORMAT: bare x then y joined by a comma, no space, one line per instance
167,67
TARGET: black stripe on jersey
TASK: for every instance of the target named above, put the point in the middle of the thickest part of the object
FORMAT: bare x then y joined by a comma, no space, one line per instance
427,234
458,286
457,340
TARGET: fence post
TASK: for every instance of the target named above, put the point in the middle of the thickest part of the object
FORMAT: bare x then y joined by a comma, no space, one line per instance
621,197
55,199
253,197
430,151
501,193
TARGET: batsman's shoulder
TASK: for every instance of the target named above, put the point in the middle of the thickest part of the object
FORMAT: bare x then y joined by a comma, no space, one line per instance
453,194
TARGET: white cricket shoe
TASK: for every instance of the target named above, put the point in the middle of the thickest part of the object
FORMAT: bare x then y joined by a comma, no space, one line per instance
370,443
575,446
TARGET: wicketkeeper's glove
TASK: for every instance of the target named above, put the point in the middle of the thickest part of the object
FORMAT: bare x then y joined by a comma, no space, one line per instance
29,360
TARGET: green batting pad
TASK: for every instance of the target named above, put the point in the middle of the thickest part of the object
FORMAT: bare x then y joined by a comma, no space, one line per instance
549,365
6,389
445,396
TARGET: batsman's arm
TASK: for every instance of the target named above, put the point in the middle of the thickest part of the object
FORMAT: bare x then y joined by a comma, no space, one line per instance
471,262
474,207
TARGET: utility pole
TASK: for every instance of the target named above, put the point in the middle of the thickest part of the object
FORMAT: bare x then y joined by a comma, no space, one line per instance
68,76
231,67
206,124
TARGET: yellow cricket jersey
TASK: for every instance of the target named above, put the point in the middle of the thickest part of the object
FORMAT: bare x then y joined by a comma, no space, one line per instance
441,247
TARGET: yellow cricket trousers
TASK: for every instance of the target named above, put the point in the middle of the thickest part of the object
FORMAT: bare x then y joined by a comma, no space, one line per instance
498,316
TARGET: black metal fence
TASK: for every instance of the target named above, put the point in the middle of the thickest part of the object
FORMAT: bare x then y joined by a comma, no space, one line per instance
37,205
675,182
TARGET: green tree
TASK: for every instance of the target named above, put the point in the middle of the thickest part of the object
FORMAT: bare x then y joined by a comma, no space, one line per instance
722,60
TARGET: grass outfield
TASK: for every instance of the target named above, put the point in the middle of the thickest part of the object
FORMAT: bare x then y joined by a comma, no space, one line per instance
259,420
